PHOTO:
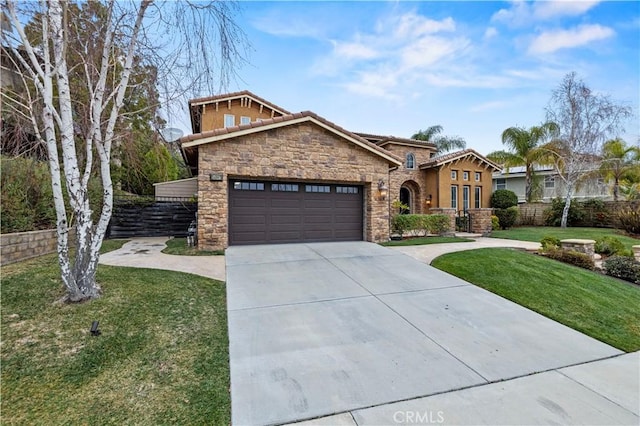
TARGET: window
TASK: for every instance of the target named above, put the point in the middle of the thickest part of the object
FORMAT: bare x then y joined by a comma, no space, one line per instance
431,155
478,200
346,189
245,120
454,197
284,187
501,183
248,186
466,192
317,188
411,161
454,175
601,181
549,182
478,175
465,175
229,120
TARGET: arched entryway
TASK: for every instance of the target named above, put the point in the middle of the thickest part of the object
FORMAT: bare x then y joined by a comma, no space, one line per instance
410,195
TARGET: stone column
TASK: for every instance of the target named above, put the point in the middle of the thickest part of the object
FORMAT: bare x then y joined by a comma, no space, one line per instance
581,246
448,212
480,221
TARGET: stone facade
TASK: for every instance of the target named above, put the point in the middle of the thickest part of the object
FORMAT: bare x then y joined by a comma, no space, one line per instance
581,246
412,180
480,221
298,152
25,245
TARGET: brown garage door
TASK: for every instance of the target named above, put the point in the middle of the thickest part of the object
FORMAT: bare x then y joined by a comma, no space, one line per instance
292,212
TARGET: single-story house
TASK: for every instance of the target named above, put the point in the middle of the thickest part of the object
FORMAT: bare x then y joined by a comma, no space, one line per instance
549,184
265,175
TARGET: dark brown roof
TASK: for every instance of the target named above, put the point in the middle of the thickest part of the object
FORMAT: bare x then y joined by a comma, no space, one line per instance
258,125
384,140
236,95
447,158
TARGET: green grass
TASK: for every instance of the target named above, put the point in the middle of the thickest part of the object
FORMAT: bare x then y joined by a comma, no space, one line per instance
599,306
111,245
162,357
418,241
536,233
179,247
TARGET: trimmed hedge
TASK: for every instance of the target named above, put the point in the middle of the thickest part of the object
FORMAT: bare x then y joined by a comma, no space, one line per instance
422,223
503,199
608,246
571,257
507,217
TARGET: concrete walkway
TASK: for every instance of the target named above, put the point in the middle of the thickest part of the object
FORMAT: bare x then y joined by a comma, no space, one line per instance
426,253
147,253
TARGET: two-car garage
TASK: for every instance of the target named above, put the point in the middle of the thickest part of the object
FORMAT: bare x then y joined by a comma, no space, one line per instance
265,212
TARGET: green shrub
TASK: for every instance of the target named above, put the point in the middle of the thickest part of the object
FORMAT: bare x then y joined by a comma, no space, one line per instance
503,199
437,223
571,257
609,245
495,222
549,242
507,217
553,214
622,267
595,213
421,223
630,220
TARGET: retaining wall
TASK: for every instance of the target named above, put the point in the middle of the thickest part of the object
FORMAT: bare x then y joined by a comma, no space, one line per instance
26,245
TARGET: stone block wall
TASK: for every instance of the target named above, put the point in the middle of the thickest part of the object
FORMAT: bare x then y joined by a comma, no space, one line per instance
581,246
26,245
301,152
480,220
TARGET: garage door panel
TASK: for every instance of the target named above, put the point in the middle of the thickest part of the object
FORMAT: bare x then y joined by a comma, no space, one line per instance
275,215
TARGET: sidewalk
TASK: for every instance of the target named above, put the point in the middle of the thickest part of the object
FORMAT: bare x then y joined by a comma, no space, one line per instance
147,253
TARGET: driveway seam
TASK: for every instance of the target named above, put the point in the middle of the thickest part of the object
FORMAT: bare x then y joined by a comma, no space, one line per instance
405,319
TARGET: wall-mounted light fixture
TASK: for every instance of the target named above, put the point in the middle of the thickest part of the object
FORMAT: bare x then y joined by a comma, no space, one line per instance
428,200
383,190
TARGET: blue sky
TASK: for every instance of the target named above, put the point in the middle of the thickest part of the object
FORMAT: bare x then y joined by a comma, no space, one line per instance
476,68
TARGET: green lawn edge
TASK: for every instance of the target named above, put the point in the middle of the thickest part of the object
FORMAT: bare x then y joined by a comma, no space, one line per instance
536,233
418,241
178,246
599,306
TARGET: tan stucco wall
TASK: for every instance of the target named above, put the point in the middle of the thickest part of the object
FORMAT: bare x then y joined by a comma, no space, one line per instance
213,114
301,151
472,167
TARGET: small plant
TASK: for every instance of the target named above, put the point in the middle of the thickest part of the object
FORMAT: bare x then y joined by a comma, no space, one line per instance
608,246
503,199
495,222
571,257
549,242
629,220
507,217
622,267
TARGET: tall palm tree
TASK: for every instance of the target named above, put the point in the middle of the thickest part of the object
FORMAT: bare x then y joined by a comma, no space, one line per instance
525,149
618,161
442,143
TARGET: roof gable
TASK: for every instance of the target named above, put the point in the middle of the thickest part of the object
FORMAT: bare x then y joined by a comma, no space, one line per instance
457,156
245,94
192,141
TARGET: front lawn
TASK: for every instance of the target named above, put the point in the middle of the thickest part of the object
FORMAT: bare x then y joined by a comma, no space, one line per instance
536,233
162,357
599,306
418,241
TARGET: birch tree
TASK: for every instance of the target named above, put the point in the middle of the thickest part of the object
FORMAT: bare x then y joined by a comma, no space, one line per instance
585,120
193,46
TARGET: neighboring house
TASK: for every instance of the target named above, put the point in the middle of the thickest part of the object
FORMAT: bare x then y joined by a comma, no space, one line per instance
265,175
550,184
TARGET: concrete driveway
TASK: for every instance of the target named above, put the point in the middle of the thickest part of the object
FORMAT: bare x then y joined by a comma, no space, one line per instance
362,332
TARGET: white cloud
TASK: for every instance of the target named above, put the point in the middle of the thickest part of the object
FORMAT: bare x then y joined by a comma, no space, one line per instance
551,41
490,33
354,50
551,9
522,13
